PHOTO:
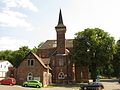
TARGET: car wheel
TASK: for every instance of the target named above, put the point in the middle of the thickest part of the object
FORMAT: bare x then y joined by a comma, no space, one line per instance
37,86
10,84
25,85
85,88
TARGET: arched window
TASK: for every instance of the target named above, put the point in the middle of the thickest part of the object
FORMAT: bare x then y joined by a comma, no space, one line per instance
61,75
29,77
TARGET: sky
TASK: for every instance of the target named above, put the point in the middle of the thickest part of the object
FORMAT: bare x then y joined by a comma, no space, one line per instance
30,22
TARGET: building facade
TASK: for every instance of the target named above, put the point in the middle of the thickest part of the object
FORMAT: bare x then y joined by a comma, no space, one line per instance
4,68
53,59
63,71
33,68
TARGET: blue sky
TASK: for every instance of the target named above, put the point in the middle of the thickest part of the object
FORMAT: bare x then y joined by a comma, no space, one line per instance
30,22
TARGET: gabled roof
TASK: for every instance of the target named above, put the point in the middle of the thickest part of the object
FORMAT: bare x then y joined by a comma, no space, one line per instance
2,61
46,60
53,43
40,60
8,63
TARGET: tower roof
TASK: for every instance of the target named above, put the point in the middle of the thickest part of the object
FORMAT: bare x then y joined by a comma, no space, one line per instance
60,20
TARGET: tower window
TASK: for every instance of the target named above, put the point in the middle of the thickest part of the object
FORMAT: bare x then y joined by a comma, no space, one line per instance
61,62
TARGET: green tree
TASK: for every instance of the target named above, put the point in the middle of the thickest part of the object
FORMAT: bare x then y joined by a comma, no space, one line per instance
20,54
93,48
7,55
116,60
34,50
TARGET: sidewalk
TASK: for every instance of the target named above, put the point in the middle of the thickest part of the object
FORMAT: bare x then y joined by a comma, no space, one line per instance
111,85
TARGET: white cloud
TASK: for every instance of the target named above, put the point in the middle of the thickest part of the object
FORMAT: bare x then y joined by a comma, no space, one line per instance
10,43
27,4
13,19
10,18
20,3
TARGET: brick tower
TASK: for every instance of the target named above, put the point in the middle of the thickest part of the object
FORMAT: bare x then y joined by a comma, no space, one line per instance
61,67
60,29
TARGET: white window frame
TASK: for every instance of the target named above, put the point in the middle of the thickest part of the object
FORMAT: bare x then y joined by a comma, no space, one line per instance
29,62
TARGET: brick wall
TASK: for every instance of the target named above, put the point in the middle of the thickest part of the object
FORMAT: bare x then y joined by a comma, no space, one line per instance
37,69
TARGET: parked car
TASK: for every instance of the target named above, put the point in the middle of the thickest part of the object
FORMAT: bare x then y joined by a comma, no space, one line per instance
92,86
8,81
33,83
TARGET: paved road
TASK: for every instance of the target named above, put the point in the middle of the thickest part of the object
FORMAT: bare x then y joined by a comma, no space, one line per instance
107,85
15,87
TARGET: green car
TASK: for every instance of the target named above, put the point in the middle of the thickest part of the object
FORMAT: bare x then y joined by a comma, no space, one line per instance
33,83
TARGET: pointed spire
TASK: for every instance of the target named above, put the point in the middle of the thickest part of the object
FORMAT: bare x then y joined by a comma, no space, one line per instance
60,21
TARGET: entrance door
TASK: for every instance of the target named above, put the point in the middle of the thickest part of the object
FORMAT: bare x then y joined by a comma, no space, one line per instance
29,77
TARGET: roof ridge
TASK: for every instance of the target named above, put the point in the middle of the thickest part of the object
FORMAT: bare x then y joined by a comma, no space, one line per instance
39,60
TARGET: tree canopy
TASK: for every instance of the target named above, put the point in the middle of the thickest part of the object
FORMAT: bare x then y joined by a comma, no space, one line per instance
16,57
116,60
93,48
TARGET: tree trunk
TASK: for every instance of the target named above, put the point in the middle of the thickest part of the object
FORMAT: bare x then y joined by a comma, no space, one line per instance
94,72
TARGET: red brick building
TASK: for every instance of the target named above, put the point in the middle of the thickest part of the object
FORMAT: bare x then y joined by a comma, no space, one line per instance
57,51
32,67
53,57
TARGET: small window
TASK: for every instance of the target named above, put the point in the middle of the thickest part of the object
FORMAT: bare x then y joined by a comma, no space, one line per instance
30,62
61,62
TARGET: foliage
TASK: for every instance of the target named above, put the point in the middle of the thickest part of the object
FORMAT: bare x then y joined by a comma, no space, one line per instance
93,48
116,60
15,57
7,55
20,54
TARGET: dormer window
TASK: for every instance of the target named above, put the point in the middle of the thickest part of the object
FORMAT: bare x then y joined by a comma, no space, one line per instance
30,62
